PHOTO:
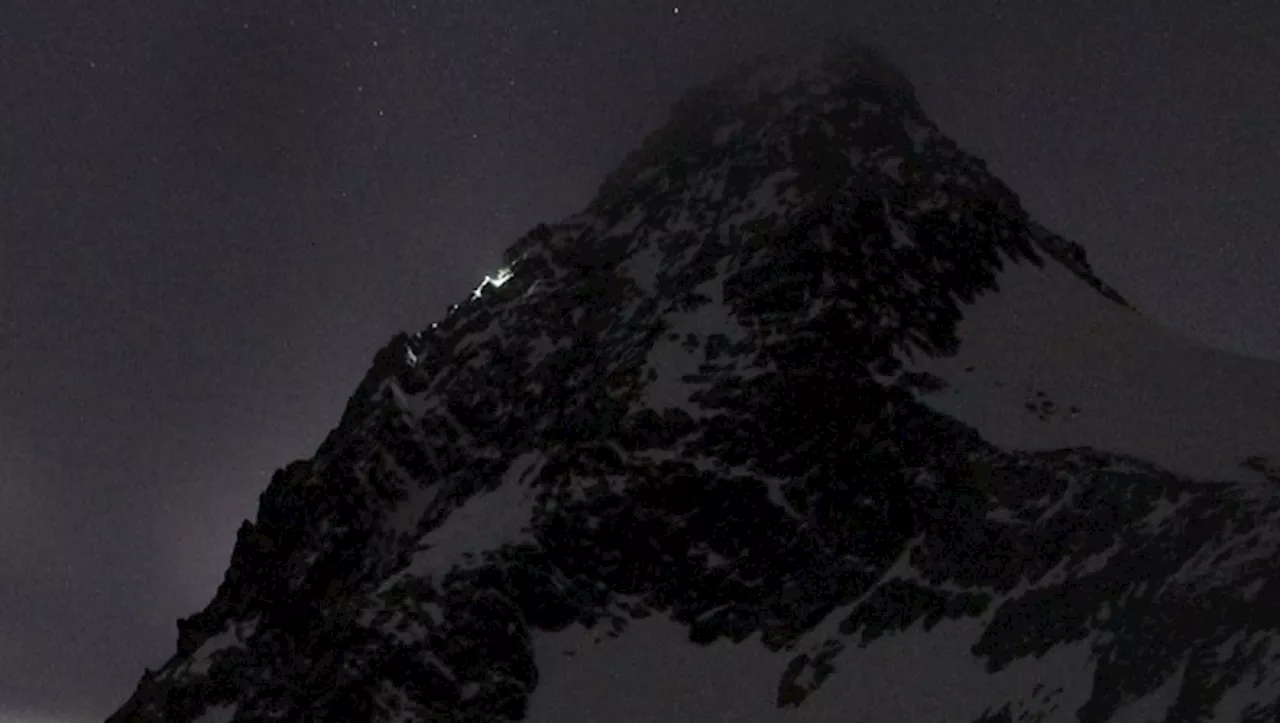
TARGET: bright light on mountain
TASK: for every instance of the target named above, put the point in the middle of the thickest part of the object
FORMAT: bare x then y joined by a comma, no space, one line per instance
504,274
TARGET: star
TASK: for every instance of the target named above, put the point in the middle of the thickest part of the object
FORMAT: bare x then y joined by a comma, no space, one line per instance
675,10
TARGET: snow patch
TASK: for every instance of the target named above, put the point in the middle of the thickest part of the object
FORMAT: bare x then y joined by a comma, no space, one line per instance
202,658
414,404
643,267
1153,707
629,223
1256,689
485,522
762,202
1095,563
652,672
1141,390
1159,517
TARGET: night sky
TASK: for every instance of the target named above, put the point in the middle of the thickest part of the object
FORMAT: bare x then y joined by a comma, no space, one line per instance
213,214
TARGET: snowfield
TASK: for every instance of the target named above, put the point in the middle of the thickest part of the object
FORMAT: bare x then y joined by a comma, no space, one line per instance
1048,340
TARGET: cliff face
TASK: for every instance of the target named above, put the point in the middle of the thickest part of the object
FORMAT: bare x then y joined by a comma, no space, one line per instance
801,418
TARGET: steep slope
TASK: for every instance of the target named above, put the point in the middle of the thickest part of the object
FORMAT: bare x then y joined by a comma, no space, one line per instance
1045,364
748,439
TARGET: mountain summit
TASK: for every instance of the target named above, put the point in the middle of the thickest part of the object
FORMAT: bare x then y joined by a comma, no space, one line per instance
801,419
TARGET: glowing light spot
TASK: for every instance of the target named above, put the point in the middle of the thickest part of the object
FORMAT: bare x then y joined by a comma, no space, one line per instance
504,274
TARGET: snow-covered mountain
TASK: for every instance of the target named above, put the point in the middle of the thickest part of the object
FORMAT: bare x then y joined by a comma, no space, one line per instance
802,419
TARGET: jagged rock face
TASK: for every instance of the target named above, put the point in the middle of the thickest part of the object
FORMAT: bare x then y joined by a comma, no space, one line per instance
695,404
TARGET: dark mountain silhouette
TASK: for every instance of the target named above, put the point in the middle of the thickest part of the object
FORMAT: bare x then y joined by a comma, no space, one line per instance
802,418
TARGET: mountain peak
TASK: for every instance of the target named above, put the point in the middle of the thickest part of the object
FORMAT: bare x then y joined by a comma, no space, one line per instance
808,130
802,412
812,67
